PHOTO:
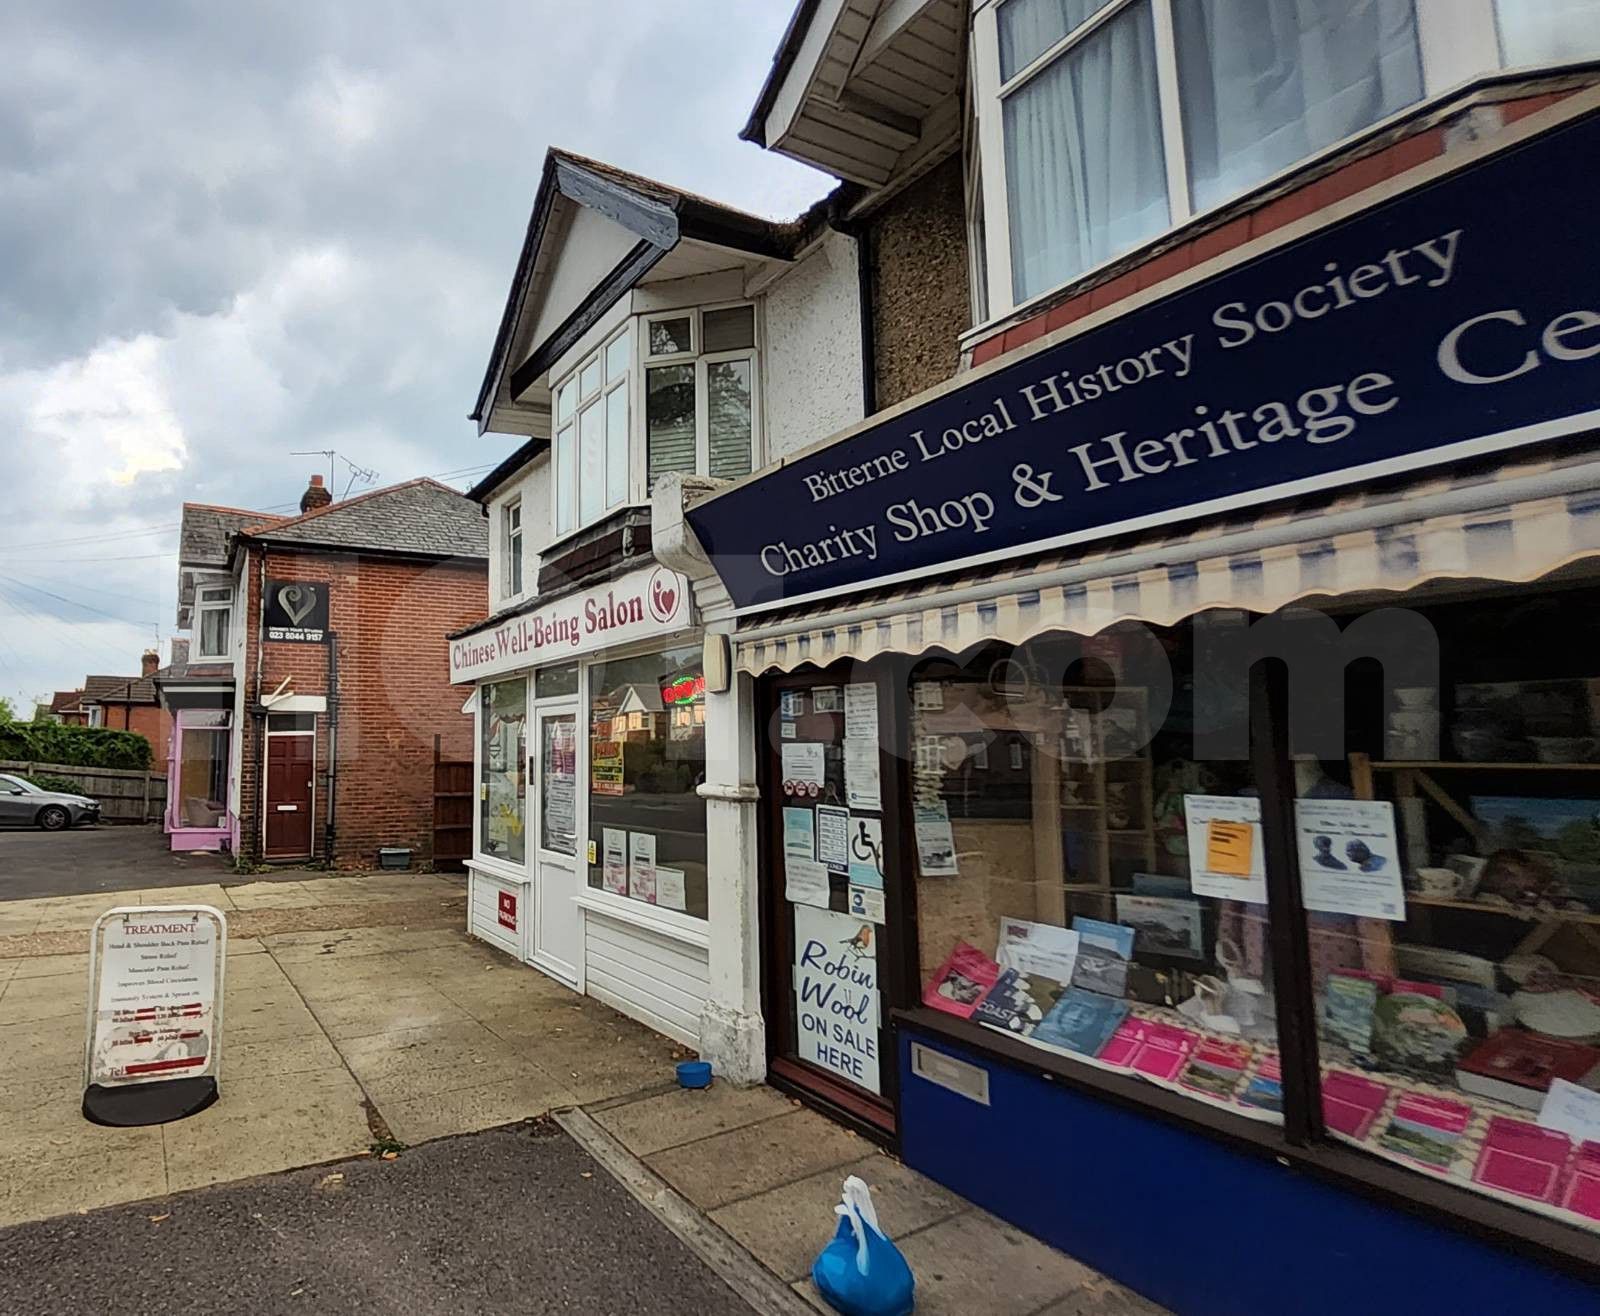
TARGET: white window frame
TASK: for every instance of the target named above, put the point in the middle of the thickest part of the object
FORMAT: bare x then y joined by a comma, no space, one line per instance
1458,41
512,566
611,388
702,361
203,605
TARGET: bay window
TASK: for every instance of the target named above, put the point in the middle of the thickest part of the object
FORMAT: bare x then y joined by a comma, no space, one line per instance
590,451
1100,124
700,387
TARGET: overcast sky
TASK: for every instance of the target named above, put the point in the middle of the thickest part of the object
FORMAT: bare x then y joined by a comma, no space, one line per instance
229,231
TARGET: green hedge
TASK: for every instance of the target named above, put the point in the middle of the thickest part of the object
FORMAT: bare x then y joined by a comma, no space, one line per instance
71,746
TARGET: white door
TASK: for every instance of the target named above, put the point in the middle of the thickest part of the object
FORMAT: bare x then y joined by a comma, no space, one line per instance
557,926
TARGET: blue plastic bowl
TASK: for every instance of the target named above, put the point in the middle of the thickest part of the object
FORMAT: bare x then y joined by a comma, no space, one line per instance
694,1074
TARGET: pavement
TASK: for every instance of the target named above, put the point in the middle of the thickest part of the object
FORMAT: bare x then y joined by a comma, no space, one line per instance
110,857
518,1220
359,1018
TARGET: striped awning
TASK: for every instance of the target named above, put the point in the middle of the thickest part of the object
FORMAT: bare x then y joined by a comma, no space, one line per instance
1501,521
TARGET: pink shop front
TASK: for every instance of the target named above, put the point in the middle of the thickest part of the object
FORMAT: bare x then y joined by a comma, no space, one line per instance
202,761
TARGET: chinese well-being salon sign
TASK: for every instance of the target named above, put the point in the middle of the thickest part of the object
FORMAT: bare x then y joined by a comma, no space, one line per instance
1459,318
640,606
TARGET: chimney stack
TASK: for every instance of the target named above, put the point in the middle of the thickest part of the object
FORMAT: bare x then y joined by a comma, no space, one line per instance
315,495
149,663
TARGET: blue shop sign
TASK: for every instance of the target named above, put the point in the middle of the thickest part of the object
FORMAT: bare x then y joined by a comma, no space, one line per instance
1458,319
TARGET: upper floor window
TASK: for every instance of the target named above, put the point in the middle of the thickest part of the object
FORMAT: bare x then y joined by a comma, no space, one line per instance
511,570
1548,31
590,453
1120,117
700,389
213,620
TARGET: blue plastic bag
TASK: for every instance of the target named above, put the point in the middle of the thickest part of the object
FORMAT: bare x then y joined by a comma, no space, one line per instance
861,1273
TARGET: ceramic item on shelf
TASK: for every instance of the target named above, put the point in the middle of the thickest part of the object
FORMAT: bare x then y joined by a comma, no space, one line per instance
1416,696
1469,868
1438,883
1477,744
1564,1013
1119,801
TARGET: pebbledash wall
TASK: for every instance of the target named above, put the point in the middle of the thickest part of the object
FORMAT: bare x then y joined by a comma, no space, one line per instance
388,617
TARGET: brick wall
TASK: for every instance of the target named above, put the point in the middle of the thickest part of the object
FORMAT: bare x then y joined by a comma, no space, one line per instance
394,695
148,720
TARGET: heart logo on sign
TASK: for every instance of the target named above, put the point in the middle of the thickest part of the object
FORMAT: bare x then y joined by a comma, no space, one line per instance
663,596
297,602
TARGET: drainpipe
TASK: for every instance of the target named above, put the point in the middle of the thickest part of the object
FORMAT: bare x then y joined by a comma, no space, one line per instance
331,828
258,713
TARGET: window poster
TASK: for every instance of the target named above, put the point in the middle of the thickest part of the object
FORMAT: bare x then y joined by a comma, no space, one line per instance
642,866
1349,858
866,852
936,845
802,766
827,699
792,703
833,837
614,872
799,834
867,902
805,882
861,711
1225,859
606,767
861,785
671,891
836,993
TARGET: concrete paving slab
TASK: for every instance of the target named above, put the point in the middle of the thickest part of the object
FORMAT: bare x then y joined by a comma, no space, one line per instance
17,925
758,1157
464,1045
361,1014
785,1227
65,995
281,1055
1103,1297
42,1044
673,1118
473,1108
48,966
973,1262
57,1087
80,1183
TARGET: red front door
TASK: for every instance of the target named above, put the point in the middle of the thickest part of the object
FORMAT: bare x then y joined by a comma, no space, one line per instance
289,796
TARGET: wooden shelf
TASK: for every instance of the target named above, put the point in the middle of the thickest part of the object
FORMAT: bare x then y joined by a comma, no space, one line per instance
1508,911
1429,765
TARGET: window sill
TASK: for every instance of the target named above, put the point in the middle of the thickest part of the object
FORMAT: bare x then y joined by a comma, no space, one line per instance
668,923
1566,1247
499,869
565,539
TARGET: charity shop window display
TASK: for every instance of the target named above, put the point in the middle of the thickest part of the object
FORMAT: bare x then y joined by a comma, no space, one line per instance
1084,885
647,759
1462,1038
504,759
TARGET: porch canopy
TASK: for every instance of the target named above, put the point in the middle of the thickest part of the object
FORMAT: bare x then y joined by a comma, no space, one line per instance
1492,521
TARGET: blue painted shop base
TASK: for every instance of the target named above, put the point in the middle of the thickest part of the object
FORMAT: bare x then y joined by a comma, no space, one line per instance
1192,1224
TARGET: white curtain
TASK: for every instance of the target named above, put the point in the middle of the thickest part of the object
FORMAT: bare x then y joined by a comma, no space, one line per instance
1028,28
1084,164
1548,31
1267,82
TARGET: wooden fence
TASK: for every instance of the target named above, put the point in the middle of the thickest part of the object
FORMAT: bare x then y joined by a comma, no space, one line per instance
124,795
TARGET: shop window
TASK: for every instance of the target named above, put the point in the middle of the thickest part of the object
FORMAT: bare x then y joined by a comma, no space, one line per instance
511,547
1085,882
553,682
503,722
1089,884
700,389
1548,31
590,451
204,742
214,620
647,757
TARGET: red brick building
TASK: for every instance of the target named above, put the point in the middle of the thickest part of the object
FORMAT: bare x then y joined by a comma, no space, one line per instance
314,736
128,703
